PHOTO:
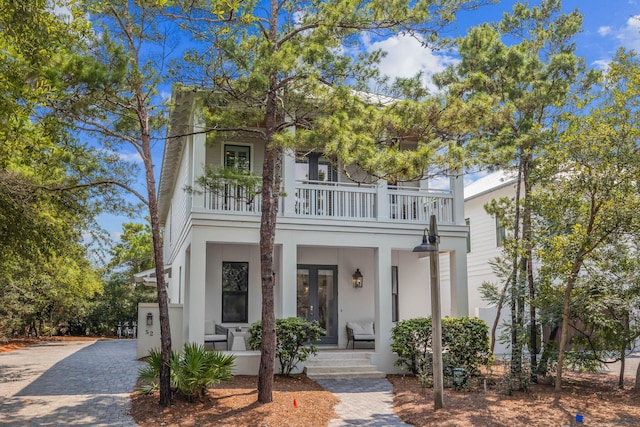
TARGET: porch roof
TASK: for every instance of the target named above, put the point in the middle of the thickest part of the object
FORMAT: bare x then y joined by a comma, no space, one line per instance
148,277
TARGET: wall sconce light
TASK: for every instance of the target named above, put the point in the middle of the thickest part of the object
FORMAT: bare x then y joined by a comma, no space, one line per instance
356,279
149,319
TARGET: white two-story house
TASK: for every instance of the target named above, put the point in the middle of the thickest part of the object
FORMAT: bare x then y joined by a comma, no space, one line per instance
329,230
486,237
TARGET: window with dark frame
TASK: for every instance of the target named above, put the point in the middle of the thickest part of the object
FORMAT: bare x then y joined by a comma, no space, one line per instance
235,292
467,221
237,156
394,293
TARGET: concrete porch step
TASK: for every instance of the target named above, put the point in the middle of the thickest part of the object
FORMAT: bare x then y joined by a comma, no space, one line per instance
344,375
340,368
341,364
337,362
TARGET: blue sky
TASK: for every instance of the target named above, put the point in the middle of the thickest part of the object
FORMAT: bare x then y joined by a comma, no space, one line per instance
607,25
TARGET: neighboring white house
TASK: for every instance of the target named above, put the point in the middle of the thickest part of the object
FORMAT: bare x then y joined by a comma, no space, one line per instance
485,240
328,229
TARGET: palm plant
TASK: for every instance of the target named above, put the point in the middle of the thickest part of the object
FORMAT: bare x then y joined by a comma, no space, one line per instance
193,370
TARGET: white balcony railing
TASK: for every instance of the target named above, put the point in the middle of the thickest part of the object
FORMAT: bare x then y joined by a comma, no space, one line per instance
335,200
232,199
414,204
341,200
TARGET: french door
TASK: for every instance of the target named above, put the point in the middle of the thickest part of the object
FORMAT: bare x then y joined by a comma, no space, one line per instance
317,298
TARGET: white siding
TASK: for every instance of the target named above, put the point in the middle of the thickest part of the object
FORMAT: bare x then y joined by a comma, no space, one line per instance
483,249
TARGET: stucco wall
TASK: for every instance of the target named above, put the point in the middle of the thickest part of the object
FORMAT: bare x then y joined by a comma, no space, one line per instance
149,336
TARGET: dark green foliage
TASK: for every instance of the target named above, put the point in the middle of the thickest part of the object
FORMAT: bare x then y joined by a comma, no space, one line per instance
295,341
410,340
193,370
465,341
118,303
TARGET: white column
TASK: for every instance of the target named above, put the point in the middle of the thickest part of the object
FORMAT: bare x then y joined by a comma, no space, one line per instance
424,184
457,187
289,182
382,195
287,285
197,283
459,287
199,156
384,358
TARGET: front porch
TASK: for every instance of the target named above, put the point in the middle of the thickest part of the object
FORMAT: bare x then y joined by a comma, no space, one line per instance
314,280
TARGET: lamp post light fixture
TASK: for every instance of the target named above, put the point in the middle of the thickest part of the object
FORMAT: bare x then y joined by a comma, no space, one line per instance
430,245
356,279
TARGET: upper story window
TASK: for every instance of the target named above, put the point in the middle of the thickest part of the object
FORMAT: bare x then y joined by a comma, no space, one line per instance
501,232
467,222
315,167
237,156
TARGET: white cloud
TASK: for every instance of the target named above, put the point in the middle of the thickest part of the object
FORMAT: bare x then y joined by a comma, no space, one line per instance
604,30
629,34
406,56
602,64
130,157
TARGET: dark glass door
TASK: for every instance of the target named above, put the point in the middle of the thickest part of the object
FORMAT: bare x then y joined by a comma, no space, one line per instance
317,298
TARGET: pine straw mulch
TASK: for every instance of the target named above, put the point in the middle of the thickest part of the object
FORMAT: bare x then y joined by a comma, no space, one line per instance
594,396
297,402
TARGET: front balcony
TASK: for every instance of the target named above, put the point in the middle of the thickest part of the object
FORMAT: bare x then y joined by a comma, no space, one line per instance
343,201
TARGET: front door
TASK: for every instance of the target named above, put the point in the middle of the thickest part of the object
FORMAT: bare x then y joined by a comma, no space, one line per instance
317,298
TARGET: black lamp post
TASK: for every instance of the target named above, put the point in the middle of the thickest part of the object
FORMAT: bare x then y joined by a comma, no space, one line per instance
430,245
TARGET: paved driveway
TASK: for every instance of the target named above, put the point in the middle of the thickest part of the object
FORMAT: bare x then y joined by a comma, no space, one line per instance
76,383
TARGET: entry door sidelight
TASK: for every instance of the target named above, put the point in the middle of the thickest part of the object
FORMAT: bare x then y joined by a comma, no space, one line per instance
317,298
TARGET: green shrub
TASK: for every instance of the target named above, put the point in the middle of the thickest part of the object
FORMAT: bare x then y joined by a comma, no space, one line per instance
465,341
411,341
193,370
295,341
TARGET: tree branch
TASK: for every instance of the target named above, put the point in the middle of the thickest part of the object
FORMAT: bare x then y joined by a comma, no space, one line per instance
107,182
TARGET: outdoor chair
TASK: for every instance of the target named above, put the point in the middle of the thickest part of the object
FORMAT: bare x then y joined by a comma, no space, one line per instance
360,331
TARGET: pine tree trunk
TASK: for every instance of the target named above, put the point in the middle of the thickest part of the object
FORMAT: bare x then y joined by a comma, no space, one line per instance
142,112
163,300
267,238
528,243
516,346
271,177
622,363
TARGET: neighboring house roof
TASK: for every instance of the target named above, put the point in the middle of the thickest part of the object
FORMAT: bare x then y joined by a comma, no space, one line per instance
489,183
148,277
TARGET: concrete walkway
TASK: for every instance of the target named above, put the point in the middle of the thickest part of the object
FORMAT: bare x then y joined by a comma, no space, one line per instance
68,383
363,402
630,366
